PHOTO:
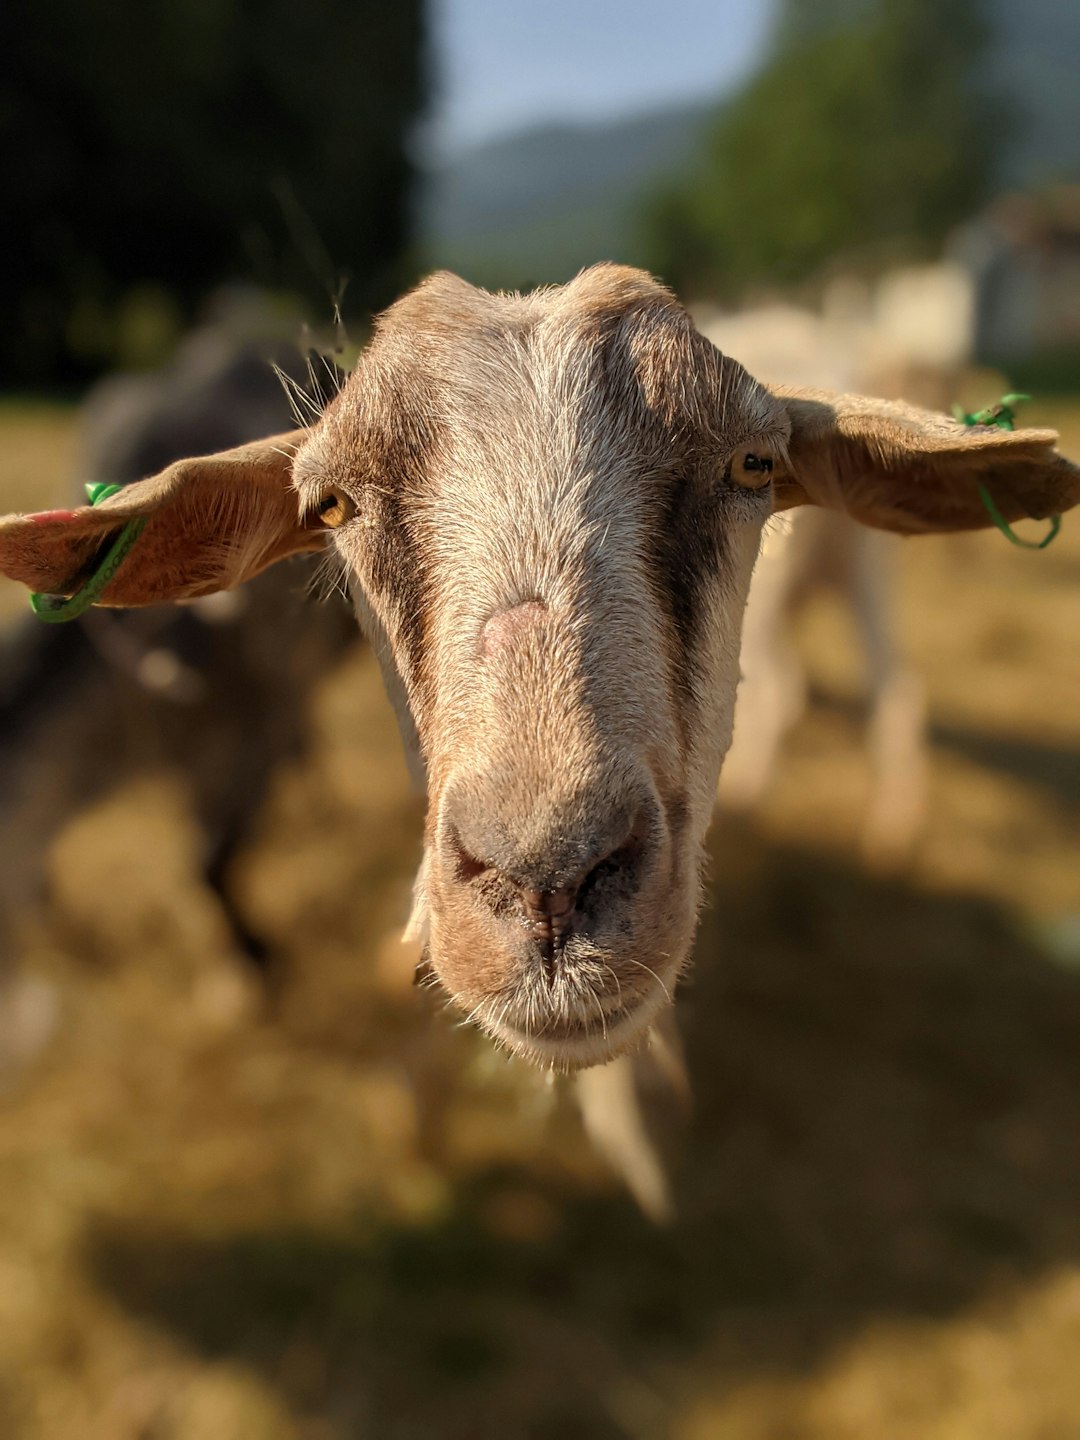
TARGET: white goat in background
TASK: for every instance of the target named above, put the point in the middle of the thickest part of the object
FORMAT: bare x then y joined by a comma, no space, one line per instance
815,551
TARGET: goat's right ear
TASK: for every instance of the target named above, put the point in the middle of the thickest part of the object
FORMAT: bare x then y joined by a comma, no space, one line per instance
896,467
210,524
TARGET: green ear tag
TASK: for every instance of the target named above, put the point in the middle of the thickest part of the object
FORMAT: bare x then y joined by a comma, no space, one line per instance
1003,415
54,609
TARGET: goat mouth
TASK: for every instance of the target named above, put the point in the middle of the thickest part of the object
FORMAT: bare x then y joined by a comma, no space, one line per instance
574,1044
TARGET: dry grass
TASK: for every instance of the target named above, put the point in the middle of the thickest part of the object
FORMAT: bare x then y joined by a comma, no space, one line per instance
345,1219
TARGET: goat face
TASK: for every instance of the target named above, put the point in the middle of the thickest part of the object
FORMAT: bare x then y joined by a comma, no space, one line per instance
549,528
548,508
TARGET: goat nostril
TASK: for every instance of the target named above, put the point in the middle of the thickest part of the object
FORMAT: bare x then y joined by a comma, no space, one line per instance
466,866
621,860
551,902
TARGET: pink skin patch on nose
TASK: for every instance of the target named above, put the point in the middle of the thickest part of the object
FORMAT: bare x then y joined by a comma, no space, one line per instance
505,625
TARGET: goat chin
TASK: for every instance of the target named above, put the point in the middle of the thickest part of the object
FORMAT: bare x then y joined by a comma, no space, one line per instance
593,1044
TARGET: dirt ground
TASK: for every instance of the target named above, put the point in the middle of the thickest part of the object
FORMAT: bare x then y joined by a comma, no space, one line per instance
337,1216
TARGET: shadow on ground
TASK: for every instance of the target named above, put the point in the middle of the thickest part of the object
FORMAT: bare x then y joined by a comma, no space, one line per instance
1053,768
886,1085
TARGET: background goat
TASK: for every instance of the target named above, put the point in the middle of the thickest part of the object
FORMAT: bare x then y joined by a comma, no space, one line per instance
88,703
816,552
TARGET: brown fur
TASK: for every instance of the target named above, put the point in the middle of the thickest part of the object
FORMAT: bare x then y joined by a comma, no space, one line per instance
896,467
211,522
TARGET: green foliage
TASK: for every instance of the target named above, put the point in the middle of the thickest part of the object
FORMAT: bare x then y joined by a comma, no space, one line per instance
868,127
178,143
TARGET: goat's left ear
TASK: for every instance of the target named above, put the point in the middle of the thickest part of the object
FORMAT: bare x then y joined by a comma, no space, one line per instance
209,524
899,468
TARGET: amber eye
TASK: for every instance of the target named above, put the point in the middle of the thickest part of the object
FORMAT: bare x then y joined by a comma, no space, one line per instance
335,507
751,470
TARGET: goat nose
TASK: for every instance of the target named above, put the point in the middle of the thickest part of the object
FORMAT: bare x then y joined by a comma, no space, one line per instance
560,862
565,888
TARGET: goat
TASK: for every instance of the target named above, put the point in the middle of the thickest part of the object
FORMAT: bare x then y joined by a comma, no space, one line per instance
548,508
210,670
823,550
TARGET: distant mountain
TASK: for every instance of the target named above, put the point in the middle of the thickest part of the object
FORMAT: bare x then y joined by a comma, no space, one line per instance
538,205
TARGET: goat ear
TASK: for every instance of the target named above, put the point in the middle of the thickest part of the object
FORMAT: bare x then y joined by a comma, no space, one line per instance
899,468
210,523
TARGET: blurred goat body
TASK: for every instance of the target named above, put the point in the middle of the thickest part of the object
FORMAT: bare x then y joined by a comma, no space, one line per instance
814,551
219,689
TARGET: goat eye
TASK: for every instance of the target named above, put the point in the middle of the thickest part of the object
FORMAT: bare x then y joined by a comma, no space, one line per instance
751,470
335,507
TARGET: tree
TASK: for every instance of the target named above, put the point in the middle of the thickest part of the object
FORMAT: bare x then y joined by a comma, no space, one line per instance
868,127
183,142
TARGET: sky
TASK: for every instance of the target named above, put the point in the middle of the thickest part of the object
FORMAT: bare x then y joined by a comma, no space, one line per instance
502,65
